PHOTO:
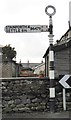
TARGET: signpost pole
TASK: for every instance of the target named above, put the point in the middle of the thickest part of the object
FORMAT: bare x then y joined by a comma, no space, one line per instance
51,60
64,100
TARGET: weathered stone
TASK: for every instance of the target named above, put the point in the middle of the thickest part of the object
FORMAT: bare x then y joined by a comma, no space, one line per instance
43,103
3,87
15,109
39,108
5,105
34,100
7,110
43,95
6,98
12,106
29,95
17,101
28,101
10,102
25,109
17,81
33,108
20,105
5,90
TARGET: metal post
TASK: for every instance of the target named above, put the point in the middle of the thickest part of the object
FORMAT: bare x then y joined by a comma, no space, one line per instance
51,60
64,100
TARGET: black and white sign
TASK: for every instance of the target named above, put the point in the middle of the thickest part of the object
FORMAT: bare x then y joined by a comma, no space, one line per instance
66,81
26,28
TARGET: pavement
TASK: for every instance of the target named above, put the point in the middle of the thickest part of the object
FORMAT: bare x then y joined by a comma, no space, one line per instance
65,115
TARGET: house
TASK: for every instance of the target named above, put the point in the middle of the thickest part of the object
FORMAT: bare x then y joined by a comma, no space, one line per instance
62,55
30,65
40,69
26,72
31,69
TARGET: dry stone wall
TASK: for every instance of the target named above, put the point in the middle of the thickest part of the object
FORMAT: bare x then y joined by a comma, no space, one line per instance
25,95
30,94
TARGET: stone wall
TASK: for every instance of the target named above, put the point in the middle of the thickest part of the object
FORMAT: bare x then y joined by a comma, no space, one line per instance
8,69
25,95
30,94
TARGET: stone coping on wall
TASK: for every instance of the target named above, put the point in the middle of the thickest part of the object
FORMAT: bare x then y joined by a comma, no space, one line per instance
23,78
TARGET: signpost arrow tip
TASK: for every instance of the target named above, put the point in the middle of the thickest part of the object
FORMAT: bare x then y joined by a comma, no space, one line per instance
63,81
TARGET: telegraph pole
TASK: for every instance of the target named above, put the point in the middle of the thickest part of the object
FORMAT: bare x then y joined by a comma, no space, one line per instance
51,59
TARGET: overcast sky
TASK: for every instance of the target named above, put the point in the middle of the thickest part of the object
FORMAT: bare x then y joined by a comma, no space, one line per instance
31,46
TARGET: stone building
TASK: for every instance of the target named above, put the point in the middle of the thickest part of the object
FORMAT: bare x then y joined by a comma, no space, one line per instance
30,65
32,69
8,68
26,72
40,68
62,55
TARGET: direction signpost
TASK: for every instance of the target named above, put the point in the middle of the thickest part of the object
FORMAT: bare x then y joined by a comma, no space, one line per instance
66,85
51,58
26,28
37,29
44,28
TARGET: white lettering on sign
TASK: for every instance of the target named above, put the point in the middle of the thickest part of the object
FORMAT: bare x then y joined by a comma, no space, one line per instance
26,28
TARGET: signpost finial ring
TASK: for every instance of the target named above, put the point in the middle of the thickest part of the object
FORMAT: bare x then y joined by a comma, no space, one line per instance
50,14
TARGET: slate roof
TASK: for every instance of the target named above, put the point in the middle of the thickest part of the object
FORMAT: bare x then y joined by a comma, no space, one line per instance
30,65
63,43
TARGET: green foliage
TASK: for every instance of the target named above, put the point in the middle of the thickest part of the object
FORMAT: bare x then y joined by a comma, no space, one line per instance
9,52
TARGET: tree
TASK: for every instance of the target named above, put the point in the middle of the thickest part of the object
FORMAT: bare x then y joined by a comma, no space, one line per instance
9,52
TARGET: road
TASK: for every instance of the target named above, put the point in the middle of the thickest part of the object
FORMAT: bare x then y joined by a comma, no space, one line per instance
38,115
